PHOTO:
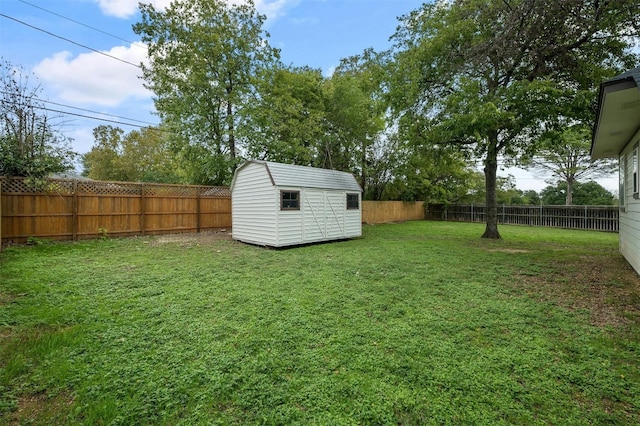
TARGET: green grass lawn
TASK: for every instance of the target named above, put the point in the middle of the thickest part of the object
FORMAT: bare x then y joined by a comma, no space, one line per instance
416,323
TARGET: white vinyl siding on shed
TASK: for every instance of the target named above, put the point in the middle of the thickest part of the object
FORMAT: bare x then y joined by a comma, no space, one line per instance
324,215
253,197
258,217
629,232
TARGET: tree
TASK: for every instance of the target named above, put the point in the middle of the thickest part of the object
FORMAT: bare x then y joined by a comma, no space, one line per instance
30,144
356,113
204,57
584,194
430,173
103,161
150,153
565,156
303,118
139,156
491,76
506,192
288,116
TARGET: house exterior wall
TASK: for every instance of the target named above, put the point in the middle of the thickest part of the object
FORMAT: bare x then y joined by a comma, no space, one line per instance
629,232
254,206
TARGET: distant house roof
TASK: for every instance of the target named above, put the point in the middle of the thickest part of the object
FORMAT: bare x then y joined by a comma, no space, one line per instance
289,175
618,114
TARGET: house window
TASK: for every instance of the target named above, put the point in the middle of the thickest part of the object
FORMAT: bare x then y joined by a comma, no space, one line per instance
622,174
289,200
353,201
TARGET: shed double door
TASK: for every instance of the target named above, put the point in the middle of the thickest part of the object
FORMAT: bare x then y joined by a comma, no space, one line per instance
324,215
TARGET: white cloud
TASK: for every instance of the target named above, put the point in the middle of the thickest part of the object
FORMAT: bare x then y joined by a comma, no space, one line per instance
275,9
127,8
95,79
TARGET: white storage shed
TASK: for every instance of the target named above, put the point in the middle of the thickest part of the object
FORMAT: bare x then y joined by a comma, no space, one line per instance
278,205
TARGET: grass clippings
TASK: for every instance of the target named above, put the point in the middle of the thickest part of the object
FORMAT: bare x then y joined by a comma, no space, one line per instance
416,323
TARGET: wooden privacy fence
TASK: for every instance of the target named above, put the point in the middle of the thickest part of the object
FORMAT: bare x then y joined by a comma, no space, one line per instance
391,211
595,218
76,209
69,209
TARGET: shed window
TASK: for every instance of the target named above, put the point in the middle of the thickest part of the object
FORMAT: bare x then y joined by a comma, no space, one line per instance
289,200
353,201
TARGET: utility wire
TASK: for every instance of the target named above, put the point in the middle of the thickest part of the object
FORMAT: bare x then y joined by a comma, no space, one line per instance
92,117
98,118
84,25
83,109
70,41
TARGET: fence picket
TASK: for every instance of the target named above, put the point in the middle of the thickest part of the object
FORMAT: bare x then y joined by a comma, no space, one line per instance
596,218
68,209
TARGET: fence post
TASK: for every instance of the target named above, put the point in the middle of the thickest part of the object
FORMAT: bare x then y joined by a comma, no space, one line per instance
74,212
540,215
472,215
198,191
143,209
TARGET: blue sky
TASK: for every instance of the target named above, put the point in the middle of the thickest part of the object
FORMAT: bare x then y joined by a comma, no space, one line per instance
315,33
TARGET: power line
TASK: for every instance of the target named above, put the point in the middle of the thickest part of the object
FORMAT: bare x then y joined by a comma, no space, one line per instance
83,109
84,25
92,117
70,41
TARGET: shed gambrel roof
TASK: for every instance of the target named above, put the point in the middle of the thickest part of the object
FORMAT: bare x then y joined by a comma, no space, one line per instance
288,175
618,114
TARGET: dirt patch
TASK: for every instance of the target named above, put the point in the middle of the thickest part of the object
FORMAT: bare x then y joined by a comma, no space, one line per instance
192,239
35,408
508,251
608,288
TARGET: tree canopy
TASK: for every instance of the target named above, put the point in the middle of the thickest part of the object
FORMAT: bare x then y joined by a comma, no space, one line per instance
584,194
565,157
491,77
30,143
139,156
204,59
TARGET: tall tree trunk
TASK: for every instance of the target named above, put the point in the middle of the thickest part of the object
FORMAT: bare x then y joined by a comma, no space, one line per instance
490,175
230,123
363,165
232,136
569,198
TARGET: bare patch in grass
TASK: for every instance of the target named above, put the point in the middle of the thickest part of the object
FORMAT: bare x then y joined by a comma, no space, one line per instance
39,407
605,286
193,239
507,250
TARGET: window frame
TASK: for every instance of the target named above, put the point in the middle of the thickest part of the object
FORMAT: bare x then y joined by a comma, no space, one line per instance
282,200
350,206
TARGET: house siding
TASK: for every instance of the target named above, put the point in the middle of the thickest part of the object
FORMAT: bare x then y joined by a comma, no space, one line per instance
629,232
